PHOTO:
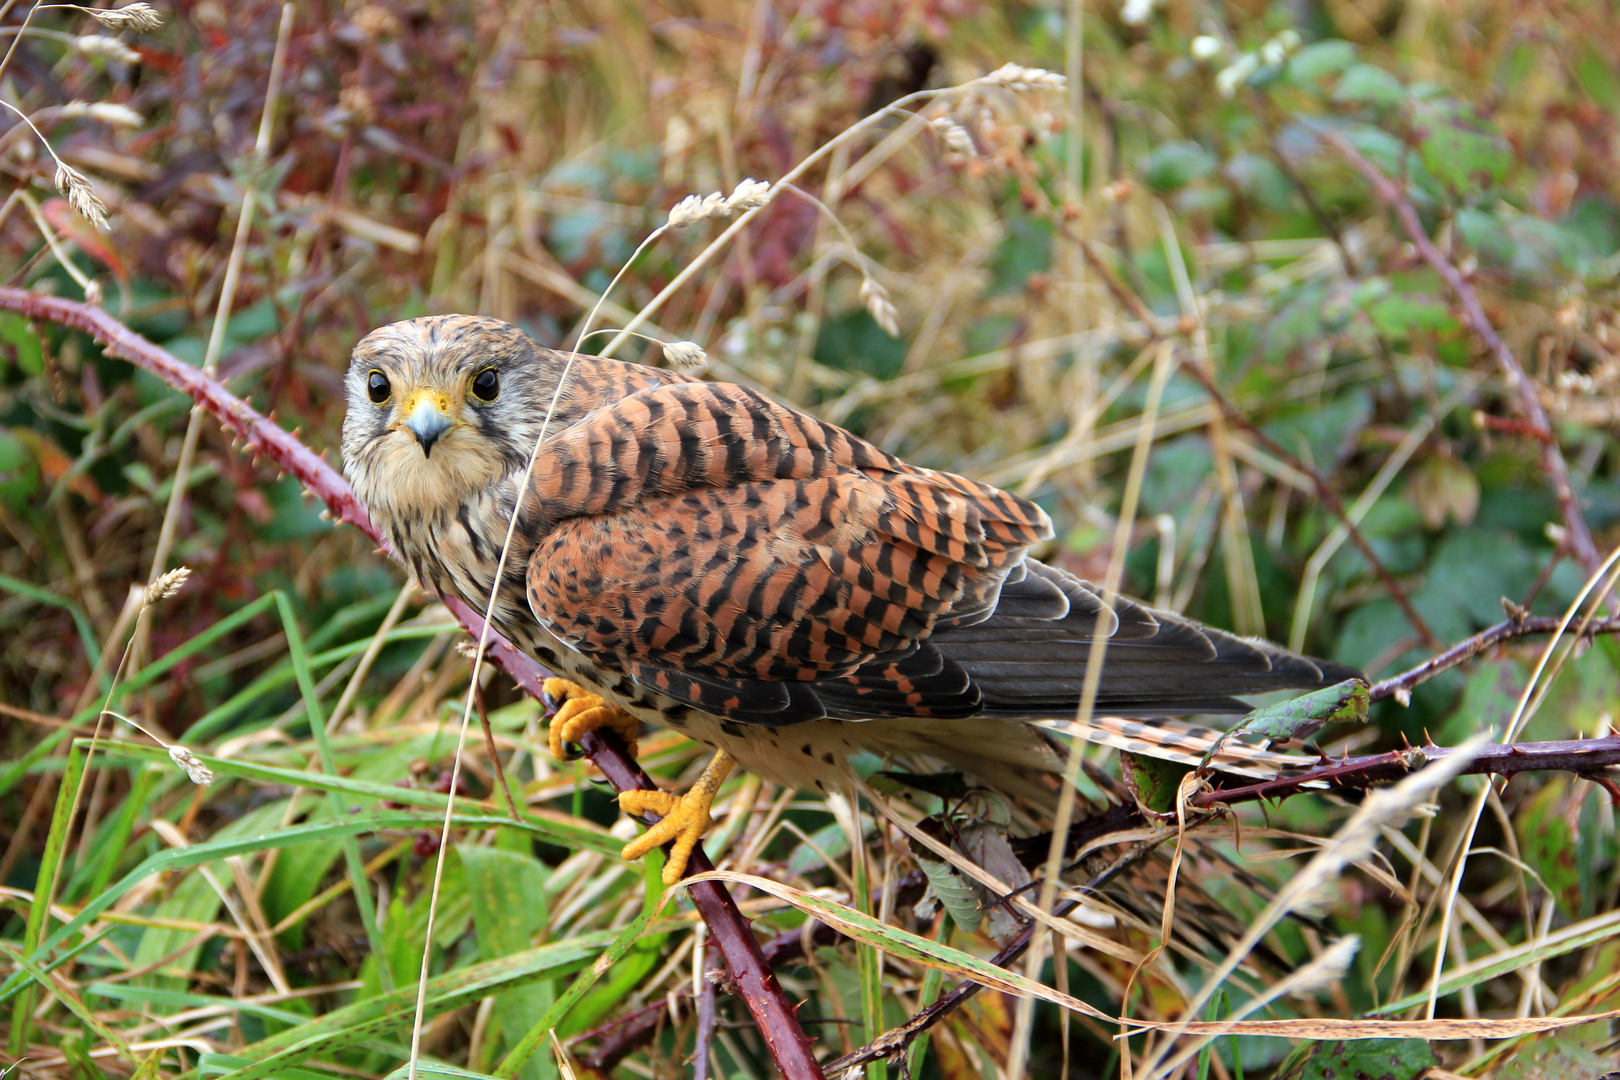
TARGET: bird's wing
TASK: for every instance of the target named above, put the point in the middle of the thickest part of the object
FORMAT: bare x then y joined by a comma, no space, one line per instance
731,552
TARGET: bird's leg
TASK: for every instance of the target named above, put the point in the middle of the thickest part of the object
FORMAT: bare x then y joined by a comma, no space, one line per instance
579,711
685,817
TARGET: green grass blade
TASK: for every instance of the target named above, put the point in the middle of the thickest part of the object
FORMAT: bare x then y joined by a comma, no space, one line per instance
50,869
351,847
180,858
389,1012
556,830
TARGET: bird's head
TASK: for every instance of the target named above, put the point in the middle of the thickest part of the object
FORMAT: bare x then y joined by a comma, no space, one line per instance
439,408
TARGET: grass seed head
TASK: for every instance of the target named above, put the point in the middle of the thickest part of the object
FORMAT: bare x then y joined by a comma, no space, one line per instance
1018,77
749,194
196,771
880,307
141,18
685,357
80,195
696,208
165,586
954,136
108,48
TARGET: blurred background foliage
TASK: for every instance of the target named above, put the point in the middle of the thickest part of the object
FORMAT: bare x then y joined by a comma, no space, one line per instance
506,158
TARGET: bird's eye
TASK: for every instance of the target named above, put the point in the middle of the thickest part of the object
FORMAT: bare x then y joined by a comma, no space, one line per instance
377,387
486,385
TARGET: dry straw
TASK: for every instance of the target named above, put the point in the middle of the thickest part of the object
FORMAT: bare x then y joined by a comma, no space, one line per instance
141,18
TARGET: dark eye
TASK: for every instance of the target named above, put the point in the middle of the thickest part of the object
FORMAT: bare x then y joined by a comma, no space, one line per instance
486,385
377,387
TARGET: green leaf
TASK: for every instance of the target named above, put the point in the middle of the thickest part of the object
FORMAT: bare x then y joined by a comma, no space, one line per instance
1320,59
1341,703
953,891
1460,146
621,943
1401,314
855,342
1369,1059
1259,179
1469,574
1547,838
1172,166
1365,84
1152,780
20,344
1598,78
1025,249
508,902
19,473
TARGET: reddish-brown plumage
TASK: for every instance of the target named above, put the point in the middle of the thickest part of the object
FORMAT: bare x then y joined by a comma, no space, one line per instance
735,555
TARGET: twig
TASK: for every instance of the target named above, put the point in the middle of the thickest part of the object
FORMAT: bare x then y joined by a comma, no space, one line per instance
744,961
1461,653
1583,757
1323,490
494,754
703,1043
1552,458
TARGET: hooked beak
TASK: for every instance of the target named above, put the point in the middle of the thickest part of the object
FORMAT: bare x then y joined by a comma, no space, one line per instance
427,416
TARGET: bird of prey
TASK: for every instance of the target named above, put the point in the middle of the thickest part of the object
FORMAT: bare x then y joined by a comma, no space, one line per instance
699,556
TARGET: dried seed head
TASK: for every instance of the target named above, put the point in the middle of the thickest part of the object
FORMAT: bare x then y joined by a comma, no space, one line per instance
954,136
196,771
696,208
80,195
166,586
685,357
882,310
107,48
749,194
141,18
1018,77
106,112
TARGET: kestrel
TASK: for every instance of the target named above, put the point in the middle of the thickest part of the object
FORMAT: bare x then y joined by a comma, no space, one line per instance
696,555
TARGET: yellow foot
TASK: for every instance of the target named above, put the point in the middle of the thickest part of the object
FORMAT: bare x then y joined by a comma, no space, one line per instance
685,817
579,711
